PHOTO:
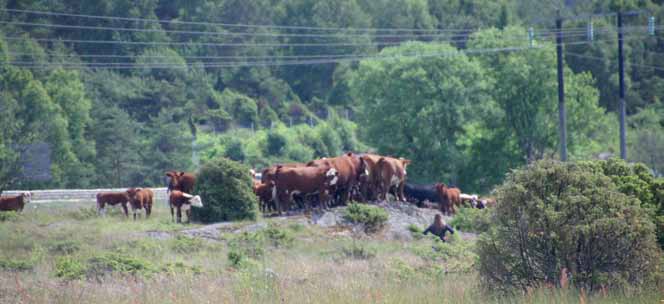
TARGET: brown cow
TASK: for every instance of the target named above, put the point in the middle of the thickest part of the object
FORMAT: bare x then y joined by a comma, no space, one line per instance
15,202
180,200
264,194
141,198
369,180
449,198
305,181
349,168
112,198
181,181
391,174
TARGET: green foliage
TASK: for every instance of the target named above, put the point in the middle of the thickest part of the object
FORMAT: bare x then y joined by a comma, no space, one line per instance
111,262
275,143
179,268
359,251
471,219
9,216
70,268
235,151
185,244
570,216
14,264
64,246
372,217
225,187
278,237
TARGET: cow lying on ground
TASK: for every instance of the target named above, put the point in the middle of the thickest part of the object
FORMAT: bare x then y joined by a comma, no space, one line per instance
181,181
112,198
449,198
183,201
419,194
15,202
140,198
304,181
468,198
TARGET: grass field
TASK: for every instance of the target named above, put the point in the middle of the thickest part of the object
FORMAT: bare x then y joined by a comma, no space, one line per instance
65,253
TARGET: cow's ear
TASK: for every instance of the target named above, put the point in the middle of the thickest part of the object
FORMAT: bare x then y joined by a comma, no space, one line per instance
180,173
169,174
350,154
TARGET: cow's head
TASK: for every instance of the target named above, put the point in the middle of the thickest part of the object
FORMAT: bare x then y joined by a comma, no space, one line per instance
173,178
27,196
194,200
331,176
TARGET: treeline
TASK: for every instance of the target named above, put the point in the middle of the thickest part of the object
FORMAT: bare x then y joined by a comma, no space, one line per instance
121,110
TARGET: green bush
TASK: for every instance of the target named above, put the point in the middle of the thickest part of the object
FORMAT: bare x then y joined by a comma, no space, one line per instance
359,251
13,264
178,268
64,246
101,265
471,219
555,215
372,217
245,248
9,216
235,150
225,187
70,268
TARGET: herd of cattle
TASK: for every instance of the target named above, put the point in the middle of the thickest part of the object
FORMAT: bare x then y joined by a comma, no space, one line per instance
361,177
323,183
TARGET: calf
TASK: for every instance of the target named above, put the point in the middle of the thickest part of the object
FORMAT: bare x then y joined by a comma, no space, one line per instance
112,198
449,198
181,181
183,201
419,194
264,194
15,202
305,181
141,198
349,168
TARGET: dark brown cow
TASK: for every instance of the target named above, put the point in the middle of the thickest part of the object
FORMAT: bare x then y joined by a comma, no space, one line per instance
449,198
391,175
141,198
264,194
15,202
179,201
304,181
349,169
112,198
181,181
268,174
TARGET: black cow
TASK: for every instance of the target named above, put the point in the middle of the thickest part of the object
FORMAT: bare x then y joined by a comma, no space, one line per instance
419,193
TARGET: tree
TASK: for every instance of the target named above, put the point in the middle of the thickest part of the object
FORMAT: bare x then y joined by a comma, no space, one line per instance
417,107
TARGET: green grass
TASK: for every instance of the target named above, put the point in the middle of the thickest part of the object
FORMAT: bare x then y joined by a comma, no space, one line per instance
61,253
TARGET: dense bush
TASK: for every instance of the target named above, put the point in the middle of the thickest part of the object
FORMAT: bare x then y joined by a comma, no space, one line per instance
555,215
372,217
471,219
225,188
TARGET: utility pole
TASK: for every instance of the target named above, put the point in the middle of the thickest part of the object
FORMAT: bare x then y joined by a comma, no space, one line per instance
621,71
562,114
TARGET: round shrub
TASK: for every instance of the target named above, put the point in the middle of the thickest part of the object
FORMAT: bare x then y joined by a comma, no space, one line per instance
276,143
551,216
225,188
372,217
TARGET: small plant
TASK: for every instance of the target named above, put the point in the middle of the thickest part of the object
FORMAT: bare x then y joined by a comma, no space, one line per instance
180,267
278,237
13,264
119,263
185,244
9,216
359,251
64,246
415,231
84,213
70,268
372,217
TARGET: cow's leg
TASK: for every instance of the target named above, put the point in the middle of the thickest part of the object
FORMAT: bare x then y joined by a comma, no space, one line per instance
179,214
124,208
188,213
401,196
172,214
148,211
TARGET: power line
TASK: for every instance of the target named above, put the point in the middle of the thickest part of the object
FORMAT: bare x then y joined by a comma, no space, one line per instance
280,63
655,67
254,34
231,25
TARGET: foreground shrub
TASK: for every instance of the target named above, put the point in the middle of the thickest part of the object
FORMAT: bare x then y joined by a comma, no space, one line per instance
372,217
225,187
70,268
9,216
118,263
555,215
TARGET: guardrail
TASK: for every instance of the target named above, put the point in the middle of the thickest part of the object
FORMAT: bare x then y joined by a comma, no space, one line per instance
76,194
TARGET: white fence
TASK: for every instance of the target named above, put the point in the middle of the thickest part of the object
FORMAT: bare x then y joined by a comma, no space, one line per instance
45,196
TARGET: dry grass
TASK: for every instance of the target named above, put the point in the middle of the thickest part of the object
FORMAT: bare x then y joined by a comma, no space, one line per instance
315,268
